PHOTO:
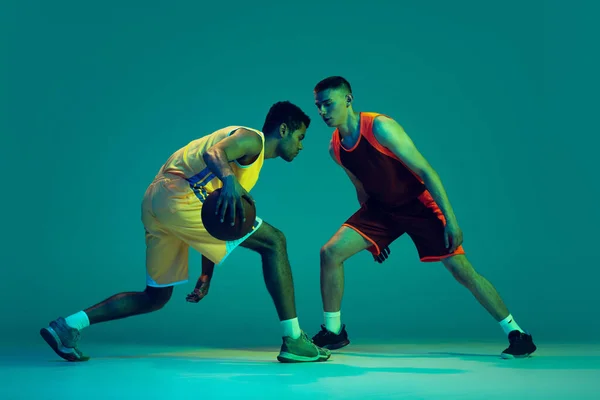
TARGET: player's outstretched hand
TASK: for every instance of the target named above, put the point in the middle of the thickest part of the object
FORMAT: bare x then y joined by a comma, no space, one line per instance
199,293
383,255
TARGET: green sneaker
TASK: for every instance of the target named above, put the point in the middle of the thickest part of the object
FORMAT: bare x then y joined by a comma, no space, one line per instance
301,350
63,340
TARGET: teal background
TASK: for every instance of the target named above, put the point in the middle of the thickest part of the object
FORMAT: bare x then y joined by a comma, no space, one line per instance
97,96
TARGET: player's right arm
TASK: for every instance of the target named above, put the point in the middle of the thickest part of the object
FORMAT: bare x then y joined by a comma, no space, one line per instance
243,144
361,194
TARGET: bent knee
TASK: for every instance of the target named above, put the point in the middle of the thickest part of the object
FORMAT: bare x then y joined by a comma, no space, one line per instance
273,239
159,296
331,255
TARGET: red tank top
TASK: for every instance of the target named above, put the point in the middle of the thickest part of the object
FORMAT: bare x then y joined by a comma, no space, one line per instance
385,178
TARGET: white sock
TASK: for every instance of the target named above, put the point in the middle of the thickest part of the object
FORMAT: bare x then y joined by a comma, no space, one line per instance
78,320
333,321
509,325
291,328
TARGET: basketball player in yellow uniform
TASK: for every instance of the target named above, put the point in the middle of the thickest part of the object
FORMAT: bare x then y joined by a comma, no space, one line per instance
230,158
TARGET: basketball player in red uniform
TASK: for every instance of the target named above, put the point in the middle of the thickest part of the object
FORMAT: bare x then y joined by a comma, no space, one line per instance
399,192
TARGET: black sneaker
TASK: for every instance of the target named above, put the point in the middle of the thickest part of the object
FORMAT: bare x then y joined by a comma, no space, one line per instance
63,340
329,340
521,345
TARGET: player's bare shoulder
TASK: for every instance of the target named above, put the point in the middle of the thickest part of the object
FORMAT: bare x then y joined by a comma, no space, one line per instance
246,133
247,138
383,125
238,143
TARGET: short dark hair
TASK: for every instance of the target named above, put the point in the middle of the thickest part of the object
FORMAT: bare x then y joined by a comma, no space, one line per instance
333,82
284,112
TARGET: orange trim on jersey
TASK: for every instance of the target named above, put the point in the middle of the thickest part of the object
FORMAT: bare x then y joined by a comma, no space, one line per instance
430,203
366,129
364,236
353,147
335,143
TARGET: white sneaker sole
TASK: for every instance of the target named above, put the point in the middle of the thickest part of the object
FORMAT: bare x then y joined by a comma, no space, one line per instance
285,357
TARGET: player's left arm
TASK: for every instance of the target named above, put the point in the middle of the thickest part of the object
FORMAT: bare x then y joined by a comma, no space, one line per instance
390,134
208,267
203,283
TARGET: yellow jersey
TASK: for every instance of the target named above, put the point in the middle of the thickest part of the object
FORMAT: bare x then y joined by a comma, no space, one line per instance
188,163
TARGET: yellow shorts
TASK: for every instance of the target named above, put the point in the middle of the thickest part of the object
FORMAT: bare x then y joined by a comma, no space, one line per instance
171,214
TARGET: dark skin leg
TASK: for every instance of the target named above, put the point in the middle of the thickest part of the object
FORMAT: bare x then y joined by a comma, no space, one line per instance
270,243
267,241
128,304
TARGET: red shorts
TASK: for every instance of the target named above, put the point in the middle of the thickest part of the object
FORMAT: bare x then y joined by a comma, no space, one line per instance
421,219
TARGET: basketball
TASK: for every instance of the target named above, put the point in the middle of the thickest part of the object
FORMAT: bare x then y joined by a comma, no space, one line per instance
224,230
